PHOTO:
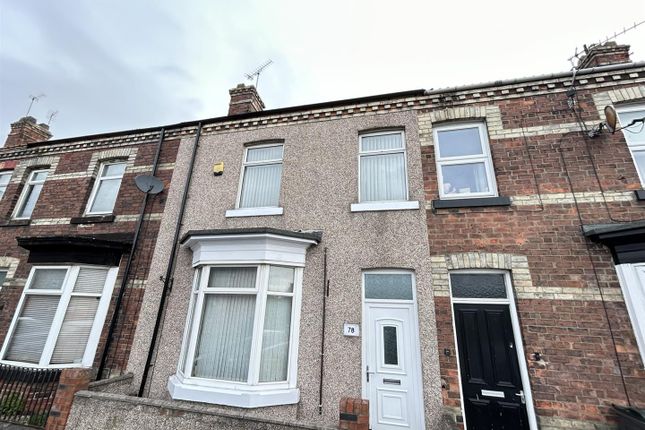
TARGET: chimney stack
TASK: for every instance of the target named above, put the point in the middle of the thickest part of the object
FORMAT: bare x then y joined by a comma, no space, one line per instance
604,54
244,100
25,131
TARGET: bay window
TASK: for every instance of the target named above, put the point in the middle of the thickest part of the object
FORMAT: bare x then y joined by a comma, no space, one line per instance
60,316
241,335
242,328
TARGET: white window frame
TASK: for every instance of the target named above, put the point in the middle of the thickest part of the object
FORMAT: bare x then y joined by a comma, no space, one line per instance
633,147
5,173
228,392
97,184
27,190
65,294
250,249
485,157
261,210
401,150
628,279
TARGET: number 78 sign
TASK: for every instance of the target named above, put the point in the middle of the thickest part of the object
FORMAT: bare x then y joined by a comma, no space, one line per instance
351,329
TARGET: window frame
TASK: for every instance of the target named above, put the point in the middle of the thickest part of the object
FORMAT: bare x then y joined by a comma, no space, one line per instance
628,279
6,276
246,164
402,150
637,147
65,294
260,291
5,173
97,184
485,157
26,191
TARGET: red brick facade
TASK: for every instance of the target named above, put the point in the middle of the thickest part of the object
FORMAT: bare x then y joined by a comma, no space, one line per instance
59,211
557,179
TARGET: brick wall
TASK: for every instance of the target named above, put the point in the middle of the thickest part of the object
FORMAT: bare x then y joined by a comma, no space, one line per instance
555,177
354,414
64,196
71,381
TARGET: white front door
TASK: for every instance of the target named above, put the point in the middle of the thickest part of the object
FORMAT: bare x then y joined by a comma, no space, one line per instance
392,368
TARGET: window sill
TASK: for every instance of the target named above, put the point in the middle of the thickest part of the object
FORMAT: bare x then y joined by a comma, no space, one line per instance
475,202
17,223
233,213
240,398
384,206
92,219
640,194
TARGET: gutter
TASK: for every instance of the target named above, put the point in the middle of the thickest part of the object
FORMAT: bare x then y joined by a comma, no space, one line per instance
560,75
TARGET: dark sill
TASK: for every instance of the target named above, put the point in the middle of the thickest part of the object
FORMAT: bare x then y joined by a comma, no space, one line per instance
640,194
471,203
91,219
16,223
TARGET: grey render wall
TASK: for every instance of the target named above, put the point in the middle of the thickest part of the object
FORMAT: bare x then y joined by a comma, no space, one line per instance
319,183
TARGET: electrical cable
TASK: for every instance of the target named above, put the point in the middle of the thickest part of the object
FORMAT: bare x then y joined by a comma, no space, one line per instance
595,272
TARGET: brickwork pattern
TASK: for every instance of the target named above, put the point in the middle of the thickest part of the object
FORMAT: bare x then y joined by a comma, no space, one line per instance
556,179
64,196
71,381
354,414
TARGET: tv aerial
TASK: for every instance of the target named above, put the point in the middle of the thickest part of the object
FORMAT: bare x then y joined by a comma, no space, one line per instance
256,73
33,99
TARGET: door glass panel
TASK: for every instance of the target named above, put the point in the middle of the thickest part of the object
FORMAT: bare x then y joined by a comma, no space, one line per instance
393,286
488,286
390,347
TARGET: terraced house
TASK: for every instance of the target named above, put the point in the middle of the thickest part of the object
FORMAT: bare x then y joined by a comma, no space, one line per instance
467,257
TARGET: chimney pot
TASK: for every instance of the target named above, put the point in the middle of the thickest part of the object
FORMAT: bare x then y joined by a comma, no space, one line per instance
25,131
244,99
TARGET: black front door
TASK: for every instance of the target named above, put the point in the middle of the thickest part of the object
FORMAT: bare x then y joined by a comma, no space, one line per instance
490,375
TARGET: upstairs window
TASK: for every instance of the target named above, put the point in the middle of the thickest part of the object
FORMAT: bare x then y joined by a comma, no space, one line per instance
59,317
106,188
464,164
383,174
261,177
634,136
30,194
4,182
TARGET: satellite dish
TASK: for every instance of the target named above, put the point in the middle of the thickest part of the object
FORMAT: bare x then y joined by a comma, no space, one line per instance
610,118
149,184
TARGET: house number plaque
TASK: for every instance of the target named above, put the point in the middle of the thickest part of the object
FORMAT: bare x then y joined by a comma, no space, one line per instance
351,329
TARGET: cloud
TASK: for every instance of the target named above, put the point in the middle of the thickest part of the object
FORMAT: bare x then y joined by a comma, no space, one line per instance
114,65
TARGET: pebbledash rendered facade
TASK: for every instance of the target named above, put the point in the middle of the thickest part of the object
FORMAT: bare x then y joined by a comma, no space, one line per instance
463,258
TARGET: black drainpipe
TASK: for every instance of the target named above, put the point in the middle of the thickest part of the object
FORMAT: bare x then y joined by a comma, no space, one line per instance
322,344
170,269
126,272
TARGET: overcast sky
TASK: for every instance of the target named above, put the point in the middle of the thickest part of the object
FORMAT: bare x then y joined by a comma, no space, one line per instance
123,64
